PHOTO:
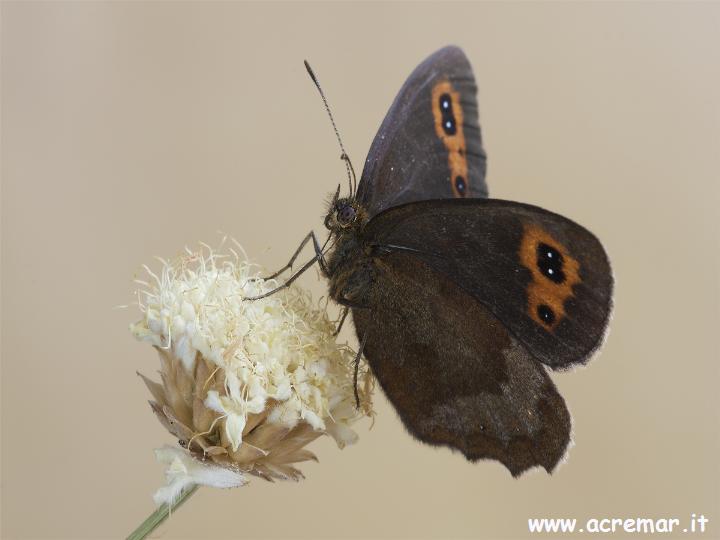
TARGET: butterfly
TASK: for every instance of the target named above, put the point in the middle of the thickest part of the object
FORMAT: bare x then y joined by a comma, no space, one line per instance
460,302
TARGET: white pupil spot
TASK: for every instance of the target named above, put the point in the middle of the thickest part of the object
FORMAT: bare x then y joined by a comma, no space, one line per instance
549,254
550,271
448,124
445,104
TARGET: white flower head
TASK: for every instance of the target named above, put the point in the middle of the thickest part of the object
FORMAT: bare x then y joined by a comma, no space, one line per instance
246,384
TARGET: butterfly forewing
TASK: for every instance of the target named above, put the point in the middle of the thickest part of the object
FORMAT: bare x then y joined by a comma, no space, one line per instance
429,146
545,278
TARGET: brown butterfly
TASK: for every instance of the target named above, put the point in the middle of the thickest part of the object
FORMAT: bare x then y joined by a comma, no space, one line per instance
459,301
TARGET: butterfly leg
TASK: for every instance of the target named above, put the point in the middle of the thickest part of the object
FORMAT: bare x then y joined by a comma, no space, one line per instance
350,304
321,254
318,251
357,368
289,280
342,320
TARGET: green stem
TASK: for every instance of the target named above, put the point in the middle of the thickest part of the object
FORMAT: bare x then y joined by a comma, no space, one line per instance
161,514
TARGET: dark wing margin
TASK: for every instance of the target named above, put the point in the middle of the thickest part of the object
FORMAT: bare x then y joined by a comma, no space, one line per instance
546,279
455,375
429,146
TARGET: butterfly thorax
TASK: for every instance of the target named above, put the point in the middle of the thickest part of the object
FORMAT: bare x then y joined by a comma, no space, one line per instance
349,263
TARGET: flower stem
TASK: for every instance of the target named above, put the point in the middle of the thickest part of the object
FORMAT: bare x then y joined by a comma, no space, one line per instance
154,520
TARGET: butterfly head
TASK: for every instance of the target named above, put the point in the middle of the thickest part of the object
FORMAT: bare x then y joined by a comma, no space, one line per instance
343,214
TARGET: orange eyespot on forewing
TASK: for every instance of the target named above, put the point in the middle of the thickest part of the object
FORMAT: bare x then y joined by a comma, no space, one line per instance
554,274
448,115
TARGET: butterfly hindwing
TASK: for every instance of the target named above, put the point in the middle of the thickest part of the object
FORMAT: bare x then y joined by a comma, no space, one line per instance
454,373
429,146
545,278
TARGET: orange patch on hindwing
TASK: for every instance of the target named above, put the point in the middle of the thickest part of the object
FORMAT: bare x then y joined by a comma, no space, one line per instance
448,115
554,274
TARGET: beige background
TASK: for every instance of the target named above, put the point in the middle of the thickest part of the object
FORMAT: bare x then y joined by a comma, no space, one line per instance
130,130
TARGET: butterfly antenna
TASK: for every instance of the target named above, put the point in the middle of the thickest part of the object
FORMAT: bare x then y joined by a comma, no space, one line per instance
352,179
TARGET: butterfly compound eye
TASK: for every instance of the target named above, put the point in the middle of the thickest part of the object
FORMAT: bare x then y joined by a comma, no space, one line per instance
346,214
